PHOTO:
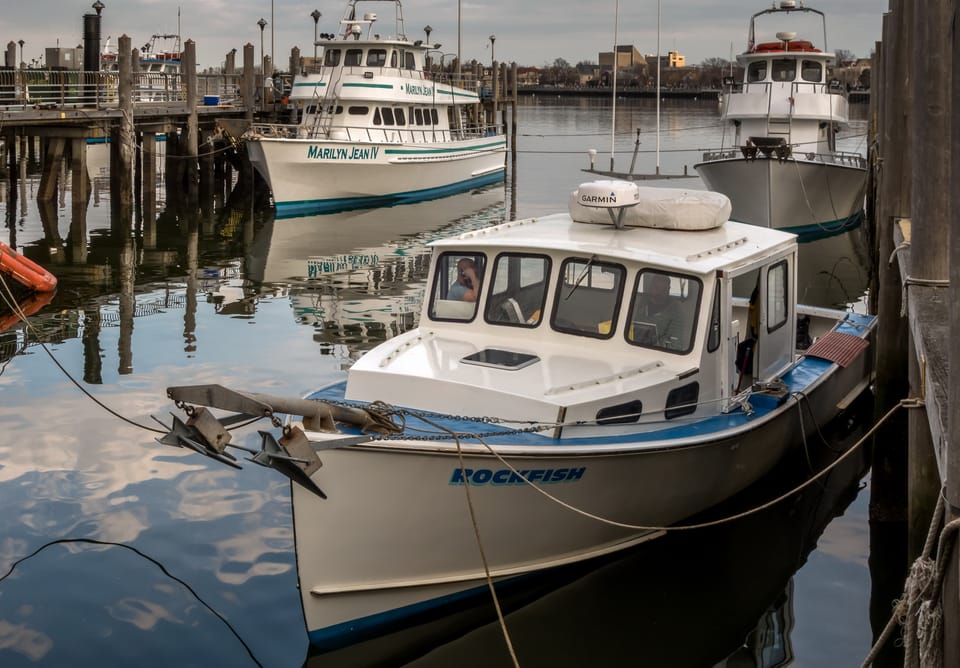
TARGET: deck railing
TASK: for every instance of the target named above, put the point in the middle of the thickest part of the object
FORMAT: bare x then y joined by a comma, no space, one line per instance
74,88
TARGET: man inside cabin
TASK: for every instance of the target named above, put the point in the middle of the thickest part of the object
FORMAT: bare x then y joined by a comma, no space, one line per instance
466,287
656,307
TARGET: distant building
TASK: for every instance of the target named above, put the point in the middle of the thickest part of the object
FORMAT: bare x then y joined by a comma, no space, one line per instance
671,60
627,56
528,76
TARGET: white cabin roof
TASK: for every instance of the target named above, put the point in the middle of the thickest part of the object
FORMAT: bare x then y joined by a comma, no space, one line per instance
701,251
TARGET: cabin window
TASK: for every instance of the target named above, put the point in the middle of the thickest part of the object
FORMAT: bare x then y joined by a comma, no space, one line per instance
311,109
777,296
757,71
663,311
400,116
713,339
433,117
418,116
393,59
518,290
376,116
455,295
331,57
353,57
358,111
588,297
387,116
410,61
376,57
628,413
784,69
682,401
811,70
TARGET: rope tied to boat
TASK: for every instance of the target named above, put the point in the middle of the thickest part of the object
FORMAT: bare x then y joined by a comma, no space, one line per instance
918,612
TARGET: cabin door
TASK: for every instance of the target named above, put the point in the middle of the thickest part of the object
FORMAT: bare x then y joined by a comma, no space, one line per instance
777,319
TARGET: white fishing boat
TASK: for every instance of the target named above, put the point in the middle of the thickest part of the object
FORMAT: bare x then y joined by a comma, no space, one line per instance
577,383
783,168
376,126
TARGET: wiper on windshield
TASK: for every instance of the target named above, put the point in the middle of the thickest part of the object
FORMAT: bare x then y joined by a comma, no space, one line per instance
583,274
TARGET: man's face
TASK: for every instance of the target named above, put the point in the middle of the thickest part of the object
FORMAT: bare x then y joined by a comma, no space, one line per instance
461,274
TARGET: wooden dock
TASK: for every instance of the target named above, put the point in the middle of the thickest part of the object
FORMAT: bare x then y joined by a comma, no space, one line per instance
914,202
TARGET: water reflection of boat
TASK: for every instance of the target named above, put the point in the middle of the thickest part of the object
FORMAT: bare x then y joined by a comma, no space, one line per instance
310,247
720,596
363,269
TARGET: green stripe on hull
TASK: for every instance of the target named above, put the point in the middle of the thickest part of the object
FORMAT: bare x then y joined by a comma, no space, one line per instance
827,229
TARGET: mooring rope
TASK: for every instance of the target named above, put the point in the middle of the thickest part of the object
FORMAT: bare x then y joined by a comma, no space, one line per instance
7,296
483,556
905,403
918,611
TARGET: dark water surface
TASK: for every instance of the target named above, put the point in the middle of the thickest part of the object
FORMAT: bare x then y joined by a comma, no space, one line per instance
126,552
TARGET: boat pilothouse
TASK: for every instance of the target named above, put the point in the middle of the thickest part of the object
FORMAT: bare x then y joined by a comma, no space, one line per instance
603,315
787,109
378,125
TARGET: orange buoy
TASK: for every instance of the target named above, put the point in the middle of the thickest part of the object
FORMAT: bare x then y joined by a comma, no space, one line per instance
25,271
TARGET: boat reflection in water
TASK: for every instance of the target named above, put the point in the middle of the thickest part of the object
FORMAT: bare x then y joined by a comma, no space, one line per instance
358,276
719,596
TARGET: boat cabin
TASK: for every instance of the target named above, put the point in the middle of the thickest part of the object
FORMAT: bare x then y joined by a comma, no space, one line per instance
588,315
786,100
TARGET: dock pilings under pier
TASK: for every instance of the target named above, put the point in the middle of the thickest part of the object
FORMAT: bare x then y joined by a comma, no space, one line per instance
914,207
65,111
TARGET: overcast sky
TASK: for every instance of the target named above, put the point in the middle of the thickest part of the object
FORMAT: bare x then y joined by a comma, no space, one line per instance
528,32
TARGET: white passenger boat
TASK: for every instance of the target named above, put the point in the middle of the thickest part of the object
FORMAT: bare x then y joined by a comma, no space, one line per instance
376,127
783,168
592,385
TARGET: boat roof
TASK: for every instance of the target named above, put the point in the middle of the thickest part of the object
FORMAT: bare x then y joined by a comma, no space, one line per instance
727,246
795,47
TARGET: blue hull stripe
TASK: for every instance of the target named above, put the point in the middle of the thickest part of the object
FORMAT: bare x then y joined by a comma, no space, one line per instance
310,207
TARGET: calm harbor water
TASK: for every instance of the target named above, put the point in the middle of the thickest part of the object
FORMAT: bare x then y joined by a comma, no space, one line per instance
120,550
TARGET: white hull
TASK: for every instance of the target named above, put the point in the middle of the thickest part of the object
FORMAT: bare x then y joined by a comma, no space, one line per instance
808,198
308,176
395,536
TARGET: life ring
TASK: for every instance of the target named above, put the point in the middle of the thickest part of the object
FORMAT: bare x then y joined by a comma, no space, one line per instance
25,270
793,45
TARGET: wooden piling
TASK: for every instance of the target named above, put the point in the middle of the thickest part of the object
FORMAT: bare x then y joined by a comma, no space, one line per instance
951,630
50,170
513,114
80,187
149,188
192,139
929,257
249,82
122,173
888,500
